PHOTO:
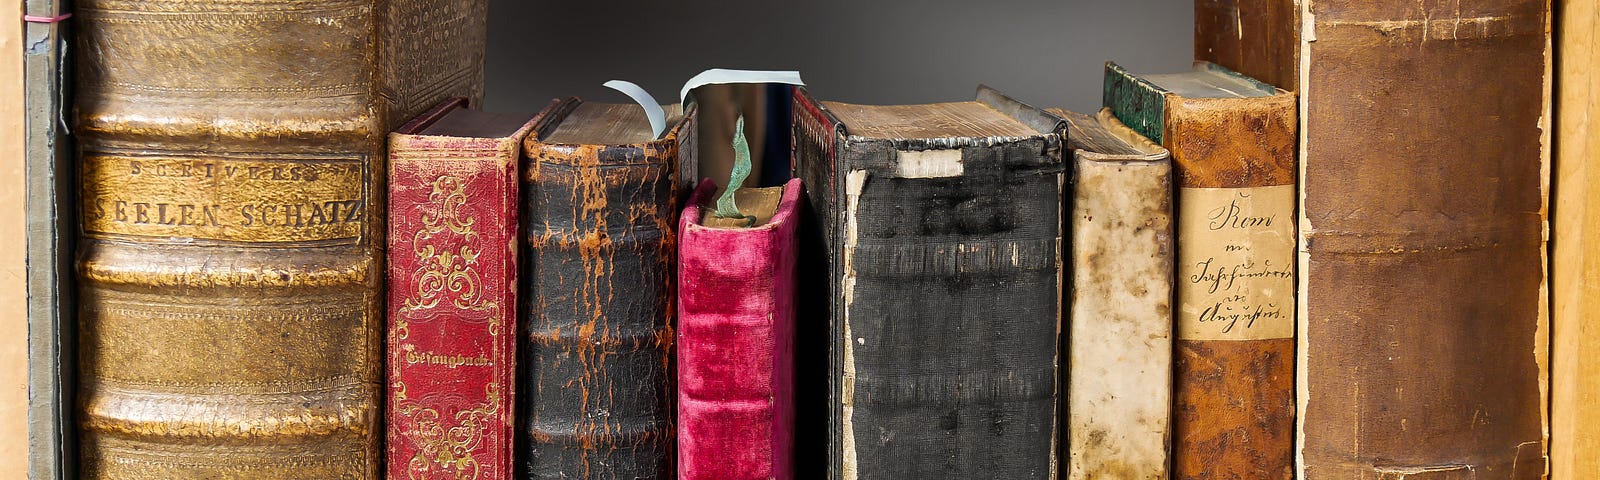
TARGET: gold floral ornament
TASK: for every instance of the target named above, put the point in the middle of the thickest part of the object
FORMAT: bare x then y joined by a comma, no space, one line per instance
440,269
445,446
446,452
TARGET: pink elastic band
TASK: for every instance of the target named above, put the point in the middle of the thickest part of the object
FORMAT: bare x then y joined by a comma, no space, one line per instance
39,19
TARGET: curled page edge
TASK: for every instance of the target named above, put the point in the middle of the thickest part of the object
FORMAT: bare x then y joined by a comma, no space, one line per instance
652,109
723,75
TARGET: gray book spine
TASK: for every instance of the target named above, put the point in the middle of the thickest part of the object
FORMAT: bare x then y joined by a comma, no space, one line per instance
51,214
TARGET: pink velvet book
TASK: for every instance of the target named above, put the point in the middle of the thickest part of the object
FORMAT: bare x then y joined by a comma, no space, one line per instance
736,336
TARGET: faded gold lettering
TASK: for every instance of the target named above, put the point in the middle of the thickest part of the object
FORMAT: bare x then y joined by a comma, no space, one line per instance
254,200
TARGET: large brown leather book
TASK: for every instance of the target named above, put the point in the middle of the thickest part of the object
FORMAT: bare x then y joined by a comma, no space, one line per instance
933,251
1421,272
600,207
1119,334
1575,263
1233,149
232,165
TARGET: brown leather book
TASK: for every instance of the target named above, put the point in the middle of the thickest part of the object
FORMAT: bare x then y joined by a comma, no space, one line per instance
1575,263
1421,276
232,165
600,196
1259,39
1233,149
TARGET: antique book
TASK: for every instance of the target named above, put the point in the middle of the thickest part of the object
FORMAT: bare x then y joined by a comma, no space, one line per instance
452,271
600,195
1233,151
936,252
736,323
49,206
232,199
1259,39
1119,372
1575,266
1423,347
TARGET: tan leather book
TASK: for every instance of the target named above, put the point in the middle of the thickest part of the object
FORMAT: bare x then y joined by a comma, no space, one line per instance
1233,141
13,258
1422,314
232,166
1119,332
1575,264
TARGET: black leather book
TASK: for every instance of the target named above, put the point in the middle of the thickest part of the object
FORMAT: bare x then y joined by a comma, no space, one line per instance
935,248
600,199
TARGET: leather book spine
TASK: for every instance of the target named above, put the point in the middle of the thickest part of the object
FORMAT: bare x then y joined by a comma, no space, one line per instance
596,389
1233,161
948,304
1257,38
451,333
1121,317
1422,264
736,313
232,222
1575,266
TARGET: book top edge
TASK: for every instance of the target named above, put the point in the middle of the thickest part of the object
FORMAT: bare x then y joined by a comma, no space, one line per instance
1102,134
1208,80
970,119
591,123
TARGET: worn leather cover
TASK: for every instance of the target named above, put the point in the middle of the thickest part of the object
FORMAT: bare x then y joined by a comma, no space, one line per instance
736,320
1119,373
51,229
1422,258
452,300
232,174
943,285
1234,160
595,382
1257,38
1575,265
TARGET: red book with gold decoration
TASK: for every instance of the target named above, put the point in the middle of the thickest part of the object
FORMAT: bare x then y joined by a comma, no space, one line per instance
452,276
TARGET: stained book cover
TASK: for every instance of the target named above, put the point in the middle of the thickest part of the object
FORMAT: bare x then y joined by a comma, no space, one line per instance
736,324
1232,141
1422,260
935,249
1119,371
600,202
232,221
453,181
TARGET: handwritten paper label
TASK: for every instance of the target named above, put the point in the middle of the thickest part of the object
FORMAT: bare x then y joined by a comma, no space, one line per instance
1236,263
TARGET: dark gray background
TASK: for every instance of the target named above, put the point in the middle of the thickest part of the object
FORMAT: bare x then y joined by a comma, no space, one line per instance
1044,52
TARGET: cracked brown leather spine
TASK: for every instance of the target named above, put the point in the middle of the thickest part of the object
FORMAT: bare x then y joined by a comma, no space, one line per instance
1423,306
232,192
1233,153
600,200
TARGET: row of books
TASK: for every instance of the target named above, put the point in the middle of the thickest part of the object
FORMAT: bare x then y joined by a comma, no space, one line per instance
1333,272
